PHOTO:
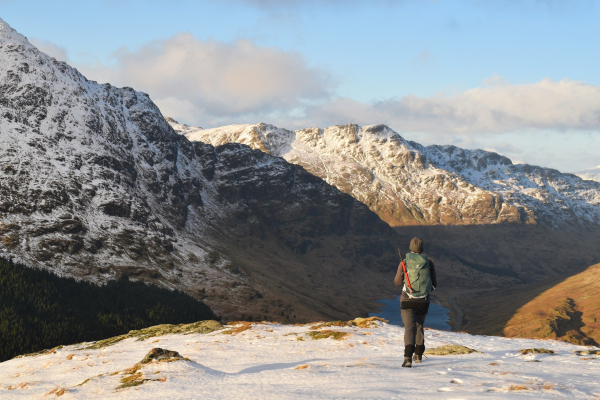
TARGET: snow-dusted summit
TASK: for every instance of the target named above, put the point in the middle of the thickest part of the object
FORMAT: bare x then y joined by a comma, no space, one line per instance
408,184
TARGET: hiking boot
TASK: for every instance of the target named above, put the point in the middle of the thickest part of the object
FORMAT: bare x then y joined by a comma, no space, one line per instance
419,350
407,362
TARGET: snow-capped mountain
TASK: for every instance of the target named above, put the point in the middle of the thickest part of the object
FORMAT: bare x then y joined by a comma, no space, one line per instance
591,174
409,184
95,184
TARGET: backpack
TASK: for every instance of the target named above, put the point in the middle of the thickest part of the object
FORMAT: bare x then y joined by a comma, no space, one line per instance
417,277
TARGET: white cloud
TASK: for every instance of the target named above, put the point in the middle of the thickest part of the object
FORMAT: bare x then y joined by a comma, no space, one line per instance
212,83
53,50
501,108
216,81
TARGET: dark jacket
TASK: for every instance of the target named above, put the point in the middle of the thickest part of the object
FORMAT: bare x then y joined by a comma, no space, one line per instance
399,282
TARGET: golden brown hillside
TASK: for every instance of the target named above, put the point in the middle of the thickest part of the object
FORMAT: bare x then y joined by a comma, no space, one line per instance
567,309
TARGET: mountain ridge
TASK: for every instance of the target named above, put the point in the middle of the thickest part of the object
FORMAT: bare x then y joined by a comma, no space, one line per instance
410,184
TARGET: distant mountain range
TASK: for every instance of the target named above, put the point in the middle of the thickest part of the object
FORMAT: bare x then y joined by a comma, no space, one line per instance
410,184
591,174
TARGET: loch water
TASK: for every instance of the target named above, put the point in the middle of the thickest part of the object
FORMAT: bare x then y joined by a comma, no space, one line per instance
437,317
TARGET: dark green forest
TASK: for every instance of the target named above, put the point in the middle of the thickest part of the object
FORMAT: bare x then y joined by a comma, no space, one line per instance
40,310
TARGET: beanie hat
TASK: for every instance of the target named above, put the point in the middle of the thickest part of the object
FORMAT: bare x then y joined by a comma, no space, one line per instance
416,245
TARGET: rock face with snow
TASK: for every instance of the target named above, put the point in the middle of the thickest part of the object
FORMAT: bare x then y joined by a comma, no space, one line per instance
95,184
410,184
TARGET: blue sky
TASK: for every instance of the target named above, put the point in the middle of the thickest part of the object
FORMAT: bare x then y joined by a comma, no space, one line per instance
519,77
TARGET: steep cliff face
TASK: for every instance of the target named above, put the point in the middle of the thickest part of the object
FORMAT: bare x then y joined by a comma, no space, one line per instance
410,184
95,184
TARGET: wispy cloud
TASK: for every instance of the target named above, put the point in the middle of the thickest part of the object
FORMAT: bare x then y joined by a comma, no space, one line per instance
52,49
423,59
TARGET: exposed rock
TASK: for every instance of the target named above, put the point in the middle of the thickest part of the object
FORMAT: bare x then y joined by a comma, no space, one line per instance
158,354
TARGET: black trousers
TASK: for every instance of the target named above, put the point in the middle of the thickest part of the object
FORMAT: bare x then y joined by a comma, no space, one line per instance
413,315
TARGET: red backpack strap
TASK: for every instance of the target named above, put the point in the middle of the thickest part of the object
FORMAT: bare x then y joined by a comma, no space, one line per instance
406,279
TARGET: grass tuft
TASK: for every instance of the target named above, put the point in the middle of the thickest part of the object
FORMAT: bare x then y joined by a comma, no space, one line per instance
450,349
537,351
518,387
160,330
336,335
243,327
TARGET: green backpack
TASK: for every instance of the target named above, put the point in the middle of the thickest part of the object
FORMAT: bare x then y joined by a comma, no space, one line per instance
417,278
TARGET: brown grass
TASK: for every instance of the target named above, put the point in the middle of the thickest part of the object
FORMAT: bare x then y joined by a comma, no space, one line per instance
133,377
558,308
52,391
202,327
518,387
320,325
302,366
450,349
243,327
336,335
370,322
547,386
537,351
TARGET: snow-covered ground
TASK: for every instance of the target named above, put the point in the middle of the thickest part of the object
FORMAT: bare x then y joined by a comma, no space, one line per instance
272,361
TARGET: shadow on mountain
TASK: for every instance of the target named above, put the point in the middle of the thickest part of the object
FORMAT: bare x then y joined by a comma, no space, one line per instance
563,308
487,256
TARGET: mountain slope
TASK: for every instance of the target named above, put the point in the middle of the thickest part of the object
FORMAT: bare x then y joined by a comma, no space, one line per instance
569,311
40,310
95,184
410,184
563,308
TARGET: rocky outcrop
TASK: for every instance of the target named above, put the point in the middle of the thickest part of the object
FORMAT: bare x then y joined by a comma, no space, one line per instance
95,184
410,184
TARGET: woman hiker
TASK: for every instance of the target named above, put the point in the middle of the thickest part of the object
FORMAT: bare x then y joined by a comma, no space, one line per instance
416,275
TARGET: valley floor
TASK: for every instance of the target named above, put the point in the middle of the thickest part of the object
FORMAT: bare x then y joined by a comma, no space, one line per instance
274,361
